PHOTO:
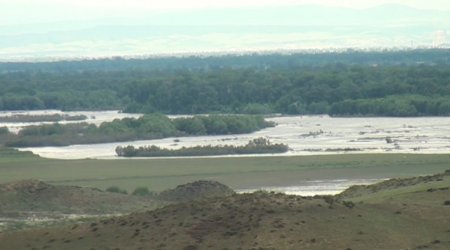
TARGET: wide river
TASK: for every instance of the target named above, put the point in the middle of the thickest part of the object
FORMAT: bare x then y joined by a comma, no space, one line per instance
305,135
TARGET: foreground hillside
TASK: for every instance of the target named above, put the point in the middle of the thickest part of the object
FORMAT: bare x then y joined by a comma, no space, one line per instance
33,203
37,196
397,214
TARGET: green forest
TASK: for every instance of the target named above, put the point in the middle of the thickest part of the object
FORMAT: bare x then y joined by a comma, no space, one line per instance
408,83
151,126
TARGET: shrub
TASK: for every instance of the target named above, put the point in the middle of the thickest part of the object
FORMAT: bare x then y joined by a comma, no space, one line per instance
348,204
143,191
328,199
115,189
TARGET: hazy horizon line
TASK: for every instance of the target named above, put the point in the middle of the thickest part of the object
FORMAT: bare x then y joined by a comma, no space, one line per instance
244,52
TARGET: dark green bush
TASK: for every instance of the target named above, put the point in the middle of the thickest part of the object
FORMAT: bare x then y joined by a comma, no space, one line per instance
348,204
115,189
143,191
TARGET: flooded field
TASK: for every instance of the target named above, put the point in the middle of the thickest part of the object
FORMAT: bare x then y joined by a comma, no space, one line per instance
314,187
305,135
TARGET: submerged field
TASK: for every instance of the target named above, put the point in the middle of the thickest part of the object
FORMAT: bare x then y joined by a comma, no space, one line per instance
236,172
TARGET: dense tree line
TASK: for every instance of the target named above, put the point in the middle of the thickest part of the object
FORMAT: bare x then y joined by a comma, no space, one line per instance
41,118
152,126
410,89
255,60
255,146
406,105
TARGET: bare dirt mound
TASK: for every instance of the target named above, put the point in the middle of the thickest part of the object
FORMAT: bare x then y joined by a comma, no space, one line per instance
196,190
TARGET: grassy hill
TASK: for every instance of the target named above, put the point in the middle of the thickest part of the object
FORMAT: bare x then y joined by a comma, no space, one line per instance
396,214
34,195
33,203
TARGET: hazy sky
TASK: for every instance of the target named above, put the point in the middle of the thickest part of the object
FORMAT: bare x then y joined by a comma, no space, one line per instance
26,11
37,29
183,4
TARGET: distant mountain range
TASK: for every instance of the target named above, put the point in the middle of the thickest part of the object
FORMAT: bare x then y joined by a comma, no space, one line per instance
243,29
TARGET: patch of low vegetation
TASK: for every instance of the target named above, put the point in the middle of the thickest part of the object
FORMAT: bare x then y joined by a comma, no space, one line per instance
152,126
255,146
143,191
348,204
115,189
196,190
342,149
14,154
41,118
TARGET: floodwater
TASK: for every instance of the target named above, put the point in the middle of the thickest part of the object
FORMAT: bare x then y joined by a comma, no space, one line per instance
305,135
315,187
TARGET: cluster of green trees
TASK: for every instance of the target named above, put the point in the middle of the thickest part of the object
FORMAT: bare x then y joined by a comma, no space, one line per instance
255,84
255,146
221,124
407,105
151,126
41,118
